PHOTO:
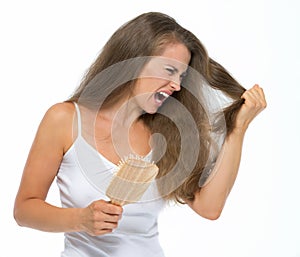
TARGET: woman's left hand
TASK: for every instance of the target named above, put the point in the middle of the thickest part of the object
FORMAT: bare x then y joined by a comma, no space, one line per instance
210,200
255,102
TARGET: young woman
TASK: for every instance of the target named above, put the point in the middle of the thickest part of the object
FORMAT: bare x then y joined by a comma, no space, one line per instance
151,78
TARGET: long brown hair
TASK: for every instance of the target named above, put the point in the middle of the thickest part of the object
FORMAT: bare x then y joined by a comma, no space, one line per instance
147,35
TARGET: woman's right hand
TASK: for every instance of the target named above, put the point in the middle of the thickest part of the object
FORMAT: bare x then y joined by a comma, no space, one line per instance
43,162
100,217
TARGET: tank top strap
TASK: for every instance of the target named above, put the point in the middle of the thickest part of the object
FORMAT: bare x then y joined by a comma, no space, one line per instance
78,119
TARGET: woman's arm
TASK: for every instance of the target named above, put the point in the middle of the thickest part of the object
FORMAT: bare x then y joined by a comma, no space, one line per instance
53,139
210,199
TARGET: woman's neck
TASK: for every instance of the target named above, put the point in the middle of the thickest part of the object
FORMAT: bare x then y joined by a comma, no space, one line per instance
123,113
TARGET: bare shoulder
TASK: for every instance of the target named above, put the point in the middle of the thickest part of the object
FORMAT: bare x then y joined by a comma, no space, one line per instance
57,124
60,112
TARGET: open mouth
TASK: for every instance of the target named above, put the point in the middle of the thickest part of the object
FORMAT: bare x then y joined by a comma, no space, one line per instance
160,97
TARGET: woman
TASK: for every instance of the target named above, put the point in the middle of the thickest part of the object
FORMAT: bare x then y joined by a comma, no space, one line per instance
151,77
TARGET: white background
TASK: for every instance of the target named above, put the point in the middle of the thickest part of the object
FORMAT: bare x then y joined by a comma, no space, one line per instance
46,46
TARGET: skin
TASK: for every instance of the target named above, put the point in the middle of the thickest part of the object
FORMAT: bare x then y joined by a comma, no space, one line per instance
210,200
101,217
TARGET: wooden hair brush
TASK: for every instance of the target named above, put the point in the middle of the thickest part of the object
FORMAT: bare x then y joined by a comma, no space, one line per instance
131,180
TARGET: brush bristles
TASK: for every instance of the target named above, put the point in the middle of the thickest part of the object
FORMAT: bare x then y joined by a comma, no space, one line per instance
132,179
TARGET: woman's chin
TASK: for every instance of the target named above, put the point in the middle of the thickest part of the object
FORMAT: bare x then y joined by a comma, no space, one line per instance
152,107
152,110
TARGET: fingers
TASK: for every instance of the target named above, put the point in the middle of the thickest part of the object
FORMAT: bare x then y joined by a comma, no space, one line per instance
254,103
106,212
108,207
101,217
255,97
262,96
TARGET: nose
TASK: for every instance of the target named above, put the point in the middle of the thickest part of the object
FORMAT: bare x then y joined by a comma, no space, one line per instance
175,85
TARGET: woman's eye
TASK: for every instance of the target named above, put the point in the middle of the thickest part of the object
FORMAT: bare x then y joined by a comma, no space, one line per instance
182,76
171,71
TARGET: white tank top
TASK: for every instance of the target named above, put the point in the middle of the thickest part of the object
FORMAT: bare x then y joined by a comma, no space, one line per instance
136,235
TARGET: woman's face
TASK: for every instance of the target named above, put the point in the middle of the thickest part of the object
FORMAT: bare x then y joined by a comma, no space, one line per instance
161,76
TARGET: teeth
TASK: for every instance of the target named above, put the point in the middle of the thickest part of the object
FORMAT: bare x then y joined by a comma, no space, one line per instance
164,94
160,97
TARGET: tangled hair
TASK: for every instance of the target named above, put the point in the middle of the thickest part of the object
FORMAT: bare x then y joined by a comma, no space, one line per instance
148,35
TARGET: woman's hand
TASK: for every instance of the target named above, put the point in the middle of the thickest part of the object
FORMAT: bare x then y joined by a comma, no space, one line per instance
210,200
100,217
255,102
